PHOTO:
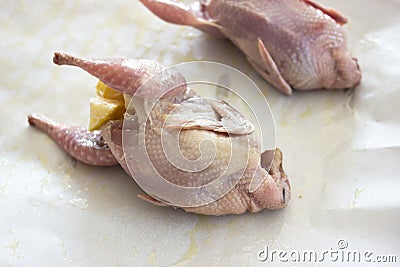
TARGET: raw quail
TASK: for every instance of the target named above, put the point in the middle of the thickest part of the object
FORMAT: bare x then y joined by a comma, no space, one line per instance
293,44
261,182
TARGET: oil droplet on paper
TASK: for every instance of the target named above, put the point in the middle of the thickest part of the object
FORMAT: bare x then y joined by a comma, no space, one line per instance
102,238
354,202
191,252
3,188
193,247
152,259
34,202
306,113
79,202
14,246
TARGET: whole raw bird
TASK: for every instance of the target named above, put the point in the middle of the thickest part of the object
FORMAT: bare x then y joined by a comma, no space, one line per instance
293,44
255,180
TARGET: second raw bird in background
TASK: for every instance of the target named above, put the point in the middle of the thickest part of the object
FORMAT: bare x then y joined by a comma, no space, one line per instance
293,44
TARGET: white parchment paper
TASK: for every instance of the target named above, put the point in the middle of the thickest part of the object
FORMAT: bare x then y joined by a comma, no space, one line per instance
341,148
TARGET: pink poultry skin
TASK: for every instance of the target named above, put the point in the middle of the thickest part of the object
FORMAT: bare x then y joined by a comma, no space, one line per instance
105,147
293,44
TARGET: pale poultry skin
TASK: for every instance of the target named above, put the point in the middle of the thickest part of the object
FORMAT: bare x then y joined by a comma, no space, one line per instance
105,147
293,44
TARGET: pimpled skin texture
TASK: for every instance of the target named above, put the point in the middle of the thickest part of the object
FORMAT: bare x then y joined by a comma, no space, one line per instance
219,122
293,44
85,146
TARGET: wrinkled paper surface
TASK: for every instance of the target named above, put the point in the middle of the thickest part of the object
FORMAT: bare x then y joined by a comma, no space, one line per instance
341,148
